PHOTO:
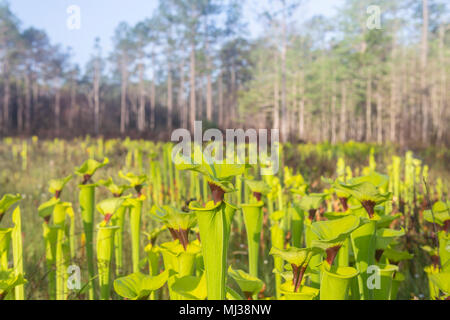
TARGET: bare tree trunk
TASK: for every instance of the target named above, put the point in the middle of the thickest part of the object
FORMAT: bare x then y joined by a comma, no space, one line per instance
169,97
276,97
294,105
6,97
343,125
369,107
57,110
232,115
153,95
333,112
182,103
123,96
443,92
192,111
423,75
141,112
97,96
379,117
403,100
393,108
221,108
35,105
27,103
209,102
301,111
284,120
73,101
20,106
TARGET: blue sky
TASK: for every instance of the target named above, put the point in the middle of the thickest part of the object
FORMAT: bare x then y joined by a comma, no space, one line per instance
99,18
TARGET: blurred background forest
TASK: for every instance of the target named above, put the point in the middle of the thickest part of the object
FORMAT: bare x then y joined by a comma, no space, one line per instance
316,79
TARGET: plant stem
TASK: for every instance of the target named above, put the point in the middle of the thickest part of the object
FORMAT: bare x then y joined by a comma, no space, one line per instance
214,228
87,204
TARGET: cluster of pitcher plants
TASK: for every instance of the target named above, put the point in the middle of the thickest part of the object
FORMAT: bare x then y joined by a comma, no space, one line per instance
345,242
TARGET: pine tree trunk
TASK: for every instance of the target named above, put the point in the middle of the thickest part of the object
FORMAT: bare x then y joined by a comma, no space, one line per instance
379,117
343,124
333,112
393,108
153,96
192,107
123,95
369,107
73,101
169,97
141,113
442,91
57,110
20,106
27,103
423,75
284,121
220,89
182,103
301,111
6,98
232,114
97,97
276,97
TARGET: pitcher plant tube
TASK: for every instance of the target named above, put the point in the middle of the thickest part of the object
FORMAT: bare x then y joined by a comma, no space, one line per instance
137,182
105,243
118,219
365,190
214,219
253,220
87,206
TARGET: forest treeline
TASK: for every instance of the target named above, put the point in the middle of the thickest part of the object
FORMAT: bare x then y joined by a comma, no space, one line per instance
317,79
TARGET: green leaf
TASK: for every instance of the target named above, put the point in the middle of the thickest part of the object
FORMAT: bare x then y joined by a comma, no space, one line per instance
385,236
311,201
245,281
334,232
386,220
173,217
441,280
134,180
363,191
441,213
191,287
138,286
219,174
379,180
394,255
110,205
258,186
56,185
175,248
233,295
90,166
294,255
112,187
9,280
7,201
46,208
